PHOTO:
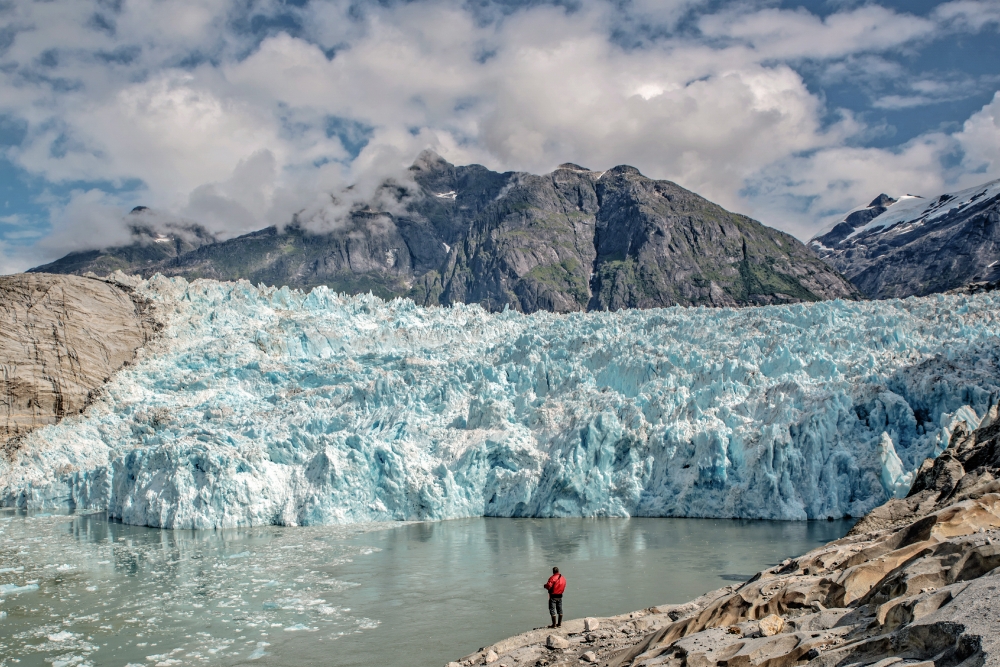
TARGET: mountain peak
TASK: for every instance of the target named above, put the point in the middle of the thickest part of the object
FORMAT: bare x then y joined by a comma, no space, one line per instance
624,170
429,160
882,200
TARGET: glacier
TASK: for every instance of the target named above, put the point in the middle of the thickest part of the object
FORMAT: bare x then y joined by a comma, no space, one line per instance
258,406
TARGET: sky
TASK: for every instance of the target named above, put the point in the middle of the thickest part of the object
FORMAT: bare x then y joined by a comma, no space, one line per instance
237,114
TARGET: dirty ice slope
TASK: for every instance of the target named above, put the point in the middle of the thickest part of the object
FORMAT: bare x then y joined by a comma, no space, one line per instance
261,406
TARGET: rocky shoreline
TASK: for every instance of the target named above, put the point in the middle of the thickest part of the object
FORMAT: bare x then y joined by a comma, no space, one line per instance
914,583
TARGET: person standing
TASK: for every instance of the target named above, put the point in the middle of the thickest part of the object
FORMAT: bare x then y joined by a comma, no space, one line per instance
555,586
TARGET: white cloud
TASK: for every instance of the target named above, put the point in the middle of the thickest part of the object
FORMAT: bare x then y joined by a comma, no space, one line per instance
980,141
969,14
904,101
231,130
783,33
825,184
88,215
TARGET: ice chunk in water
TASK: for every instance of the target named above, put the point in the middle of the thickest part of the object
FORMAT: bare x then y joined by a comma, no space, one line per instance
298,627
259,652
14,589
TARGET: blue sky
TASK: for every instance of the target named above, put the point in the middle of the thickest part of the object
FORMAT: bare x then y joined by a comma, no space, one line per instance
237,114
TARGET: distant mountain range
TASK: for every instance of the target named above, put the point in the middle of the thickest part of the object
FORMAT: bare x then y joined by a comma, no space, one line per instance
571,240
916,246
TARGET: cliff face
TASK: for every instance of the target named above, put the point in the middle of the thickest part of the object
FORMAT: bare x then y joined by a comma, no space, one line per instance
660,245
914,583
61,337
571,240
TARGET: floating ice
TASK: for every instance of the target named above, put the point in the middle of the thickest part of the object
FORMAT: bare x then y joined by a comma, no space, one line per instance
298,627
148,601
259,652
14,589
270,406
71,660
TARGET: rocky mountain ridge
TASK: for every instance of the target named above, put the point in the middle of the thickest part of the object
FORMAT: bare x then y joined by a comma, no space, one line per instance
571,240
914,584
916,246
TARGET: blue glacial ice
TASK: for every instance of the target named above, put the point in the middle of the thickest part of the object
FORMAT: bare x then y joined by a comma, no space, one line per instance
271,406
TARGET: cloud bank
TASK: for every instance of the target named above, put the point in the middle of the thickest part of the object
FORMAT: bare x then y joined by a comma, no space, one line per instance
239,115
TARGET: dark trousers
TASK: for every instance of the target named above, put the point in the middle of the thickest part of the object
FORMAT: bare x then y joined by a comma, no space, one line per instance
555,605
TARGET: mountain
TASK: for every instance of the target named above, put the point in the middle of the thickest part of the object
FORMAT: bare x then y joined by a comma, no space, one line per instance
859,217
155,242
571,240
915,246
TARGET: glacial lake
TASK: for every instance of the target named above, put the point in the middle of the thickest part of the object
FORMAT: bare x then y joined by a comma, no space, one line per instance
79,590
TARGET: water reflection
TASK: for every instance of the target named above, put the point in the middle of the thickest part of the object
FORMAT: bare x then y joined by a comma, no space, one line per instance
395,594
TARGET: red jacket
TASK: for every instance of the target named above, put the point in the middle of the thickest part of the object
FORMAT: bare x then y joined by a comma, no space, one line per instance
556,584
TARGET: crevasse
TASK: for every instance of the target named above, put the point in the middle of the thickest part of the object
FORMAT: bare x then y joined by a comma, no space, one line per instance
262,405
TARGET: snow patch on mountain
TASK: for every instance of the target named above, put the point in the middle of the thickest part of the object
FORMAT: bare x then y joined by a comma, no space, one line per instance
826,241
270,406
905,208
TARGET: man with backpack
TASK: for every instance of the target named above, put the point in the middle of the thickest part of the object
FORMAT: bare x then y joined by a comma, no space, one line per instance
555,586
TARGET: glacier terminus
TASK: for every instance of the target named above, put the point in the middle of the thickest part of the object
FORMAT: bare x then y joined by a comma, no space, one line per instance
259,406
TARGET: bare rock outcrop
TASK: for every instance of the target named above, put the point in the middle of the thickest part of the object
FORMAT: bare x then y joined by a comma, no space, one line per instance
61,338
915,583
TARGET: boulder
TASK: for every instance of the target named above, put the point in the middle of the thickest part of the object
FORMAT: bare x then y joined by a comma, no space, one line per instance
589,656
771,625
491,657
590,624
556,642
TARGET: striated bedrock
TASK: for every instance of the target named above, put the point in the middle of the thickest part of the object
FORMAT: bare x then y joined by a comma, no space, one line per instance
61,338
270,406
916,582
